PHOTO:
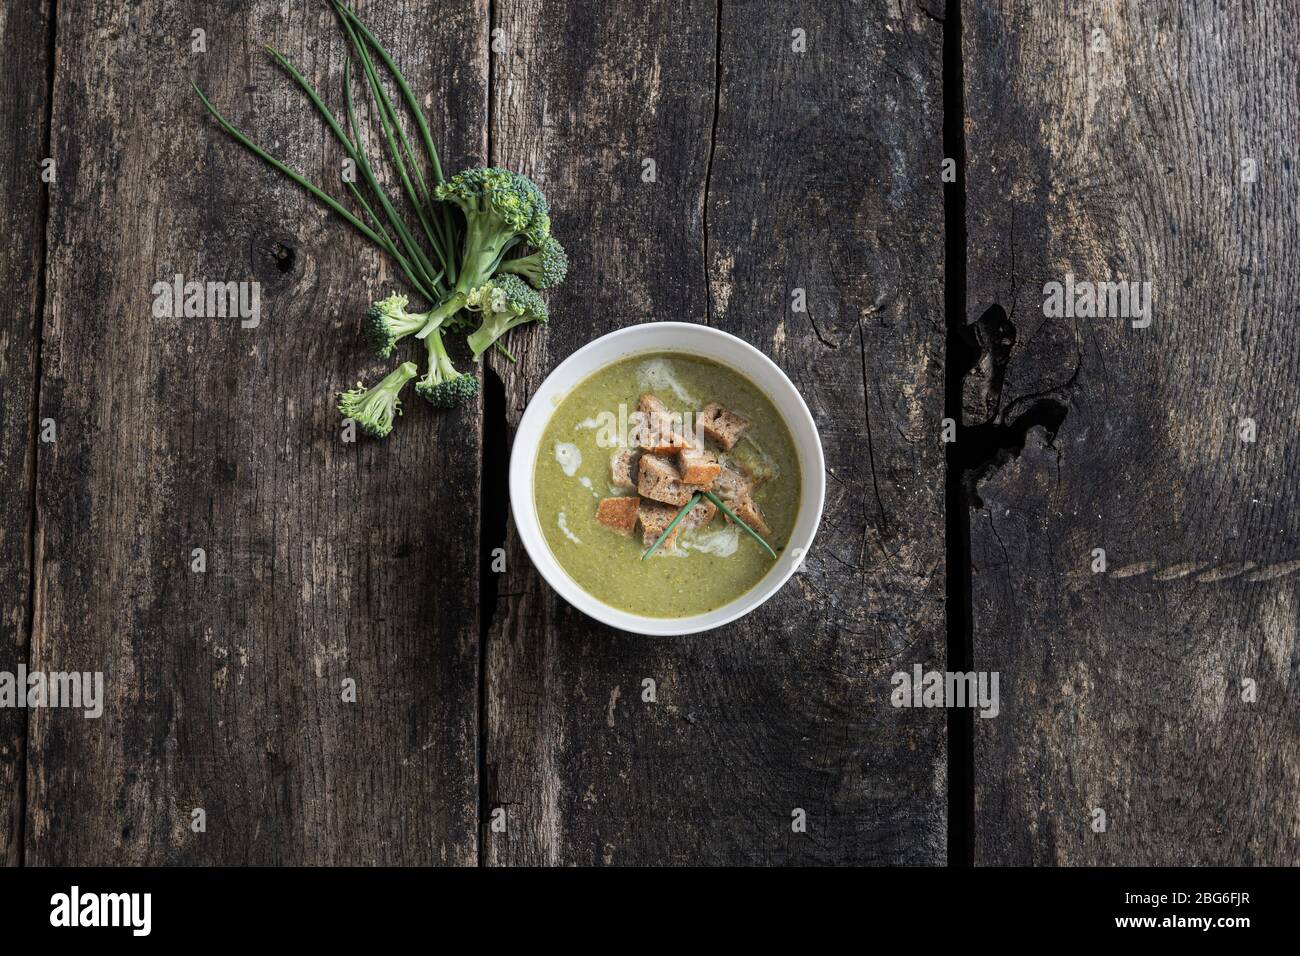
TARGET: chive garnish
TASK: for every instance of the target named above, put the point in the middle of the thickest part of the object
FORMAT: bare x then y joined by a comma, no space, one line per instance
695,499
732,515
433,218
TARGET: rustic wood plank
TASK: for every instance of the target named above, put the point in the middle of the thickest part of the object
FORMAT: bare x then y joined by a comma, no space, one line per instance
24,119
1118,155
325,560
821,174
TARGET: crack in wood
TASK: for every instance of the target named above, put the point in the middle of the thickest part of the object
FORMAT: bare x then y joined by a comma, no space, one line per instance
708,166
957,530
34,557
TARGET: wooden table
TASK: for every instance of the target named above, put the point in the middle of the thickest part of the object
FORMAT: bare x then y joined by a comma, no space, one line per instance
795,146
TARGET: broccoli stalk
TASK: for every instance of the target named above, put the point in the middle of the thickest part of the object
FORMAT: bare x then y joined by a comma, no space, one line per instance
545,268
505,302
374,409
442,386
388,322
501,208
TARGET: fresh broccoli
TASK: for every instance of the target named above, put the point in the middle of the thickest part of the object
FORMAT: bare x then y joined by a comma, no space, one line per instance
545,268
375,408
501,209
539,230
505,302
442,386
388,322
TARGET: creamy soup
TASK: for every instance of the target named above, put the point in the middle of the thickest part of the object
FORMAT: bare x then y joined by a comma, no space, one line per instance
697,569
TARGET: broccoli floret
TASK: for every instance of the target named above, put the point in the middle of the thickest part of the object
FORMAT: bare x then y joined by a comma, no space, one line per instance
442,386
500,208
505,302
545,268
387,322
539,230
374,409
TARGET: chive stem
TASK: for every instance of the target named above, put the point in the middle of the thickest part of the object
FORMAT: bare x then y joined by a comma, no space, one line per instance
416,254
442,214
418,257
732,515
275,164
389,121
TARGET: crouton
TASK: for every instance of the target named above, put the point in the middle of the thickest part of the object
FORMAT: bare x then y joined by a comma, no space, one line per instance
655,517
623,468
699,516
722,426
667,443
749,512
659,479
643,432
698,467
736,489
656,429
732,485
647,404
635,427
620,514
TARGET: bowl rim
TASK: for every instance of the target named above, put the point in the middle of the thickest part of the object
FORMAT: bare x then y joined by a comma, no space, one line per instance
527,524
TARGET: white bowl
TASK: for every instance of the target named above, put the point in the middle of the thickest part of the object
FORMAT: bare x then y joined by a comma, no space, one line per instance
687,338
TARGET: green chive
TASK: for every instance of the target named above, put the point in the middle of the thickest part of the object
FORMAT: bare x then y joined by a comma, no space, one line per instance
732,515
421,261
402,86
275,164
355,152
388,121
695,499
391,249
446,229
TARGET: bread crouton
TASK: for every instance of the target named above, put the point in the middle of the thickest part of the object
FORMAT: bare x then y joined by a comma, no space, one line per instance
698,467
620,514
647,404
655,517
699,516
658,478
666,443
722,426
656,429
732,485
623,468
646,433
749,512
635,428
736,489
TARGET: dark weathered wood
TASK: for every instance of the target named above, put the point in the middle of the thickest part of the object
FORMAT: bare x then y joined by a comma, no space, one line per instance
816,171
24,115
325,560
1119,155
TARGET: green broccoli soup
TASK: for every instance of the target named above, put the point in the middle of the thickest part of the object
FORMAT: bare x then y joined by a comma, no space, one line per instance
631,447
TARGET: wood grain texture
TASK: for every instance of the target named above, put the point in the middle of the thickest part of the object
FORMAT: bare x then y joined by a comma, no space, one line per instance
1119,155
24,122
816,171
325,560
